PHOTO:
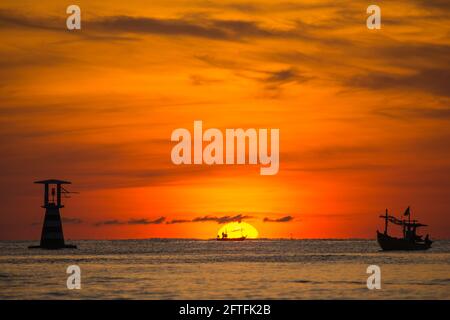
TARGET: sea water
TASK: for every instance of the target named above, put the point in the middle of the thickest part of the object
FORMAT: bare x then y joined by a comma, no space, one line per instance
209,269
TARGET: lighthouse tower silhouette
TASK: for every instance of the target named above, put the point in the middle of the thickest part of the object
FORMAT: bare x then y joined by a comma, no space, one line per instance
52,236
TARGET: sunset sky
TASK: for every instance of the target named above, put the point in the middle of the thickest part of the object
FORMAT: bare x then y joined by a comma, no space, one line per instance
364,115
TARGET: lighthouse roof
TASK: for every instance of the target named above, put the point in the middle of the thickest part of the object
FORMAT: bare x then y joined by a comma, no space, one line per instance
53,181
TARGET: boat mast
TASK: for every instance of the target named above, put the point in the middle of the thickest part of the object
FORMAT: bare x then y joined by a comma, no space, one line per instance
409,216
386,222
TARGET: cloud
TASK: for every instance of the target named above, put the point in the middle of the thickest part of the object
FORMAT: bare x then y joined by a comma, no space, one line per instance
174,221
158,26
421,53
434,4
146,221
282,219
219,220
195,25
285,76
9,18
161,220
13,19
272,79
108,223
203,26
434,81
278,6
100,29
133,221
71,220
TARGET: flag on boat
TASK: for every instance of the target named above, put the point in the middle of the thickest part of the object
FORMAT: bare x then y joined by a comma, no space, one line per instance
407,213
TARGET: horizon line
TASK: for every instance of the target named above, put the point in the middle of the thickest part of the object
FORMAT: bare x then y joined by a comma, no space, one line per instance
204,239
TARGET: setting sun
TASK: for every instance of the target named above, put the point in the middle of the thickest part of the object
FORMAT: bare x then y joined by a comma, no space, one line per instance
237,230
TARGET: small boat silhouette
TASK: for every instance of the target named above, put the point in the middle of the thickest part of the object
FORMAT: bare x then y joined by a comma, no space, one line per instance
226,238
410,240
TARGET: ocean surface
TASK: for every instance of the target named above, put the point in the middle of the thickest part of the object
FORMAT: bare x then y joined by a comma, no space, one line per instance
197,269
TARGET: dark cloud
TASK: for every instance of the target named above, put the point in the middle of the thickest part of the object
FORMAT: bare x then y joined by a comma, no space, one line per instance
435,81
221,220
433,4
276,6
205,27
196,25
282,219
71,220
218,219
134,221
296,57
390,52
286,75
402,53
271,79
108,223
146,221
174,221
12,19
159,26
161,220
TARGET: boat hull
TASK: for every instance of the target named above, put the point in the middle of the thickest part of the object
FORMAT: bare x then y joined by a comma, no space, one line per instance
231,239
389,243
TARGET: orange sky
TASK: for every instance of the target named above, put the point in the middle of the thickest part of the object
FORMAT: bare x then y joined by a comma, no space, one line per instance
363,115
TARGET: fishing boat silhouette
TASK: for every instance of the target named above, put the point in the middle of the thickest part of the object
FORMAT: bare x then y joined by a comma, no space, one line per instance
225,236
410,239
